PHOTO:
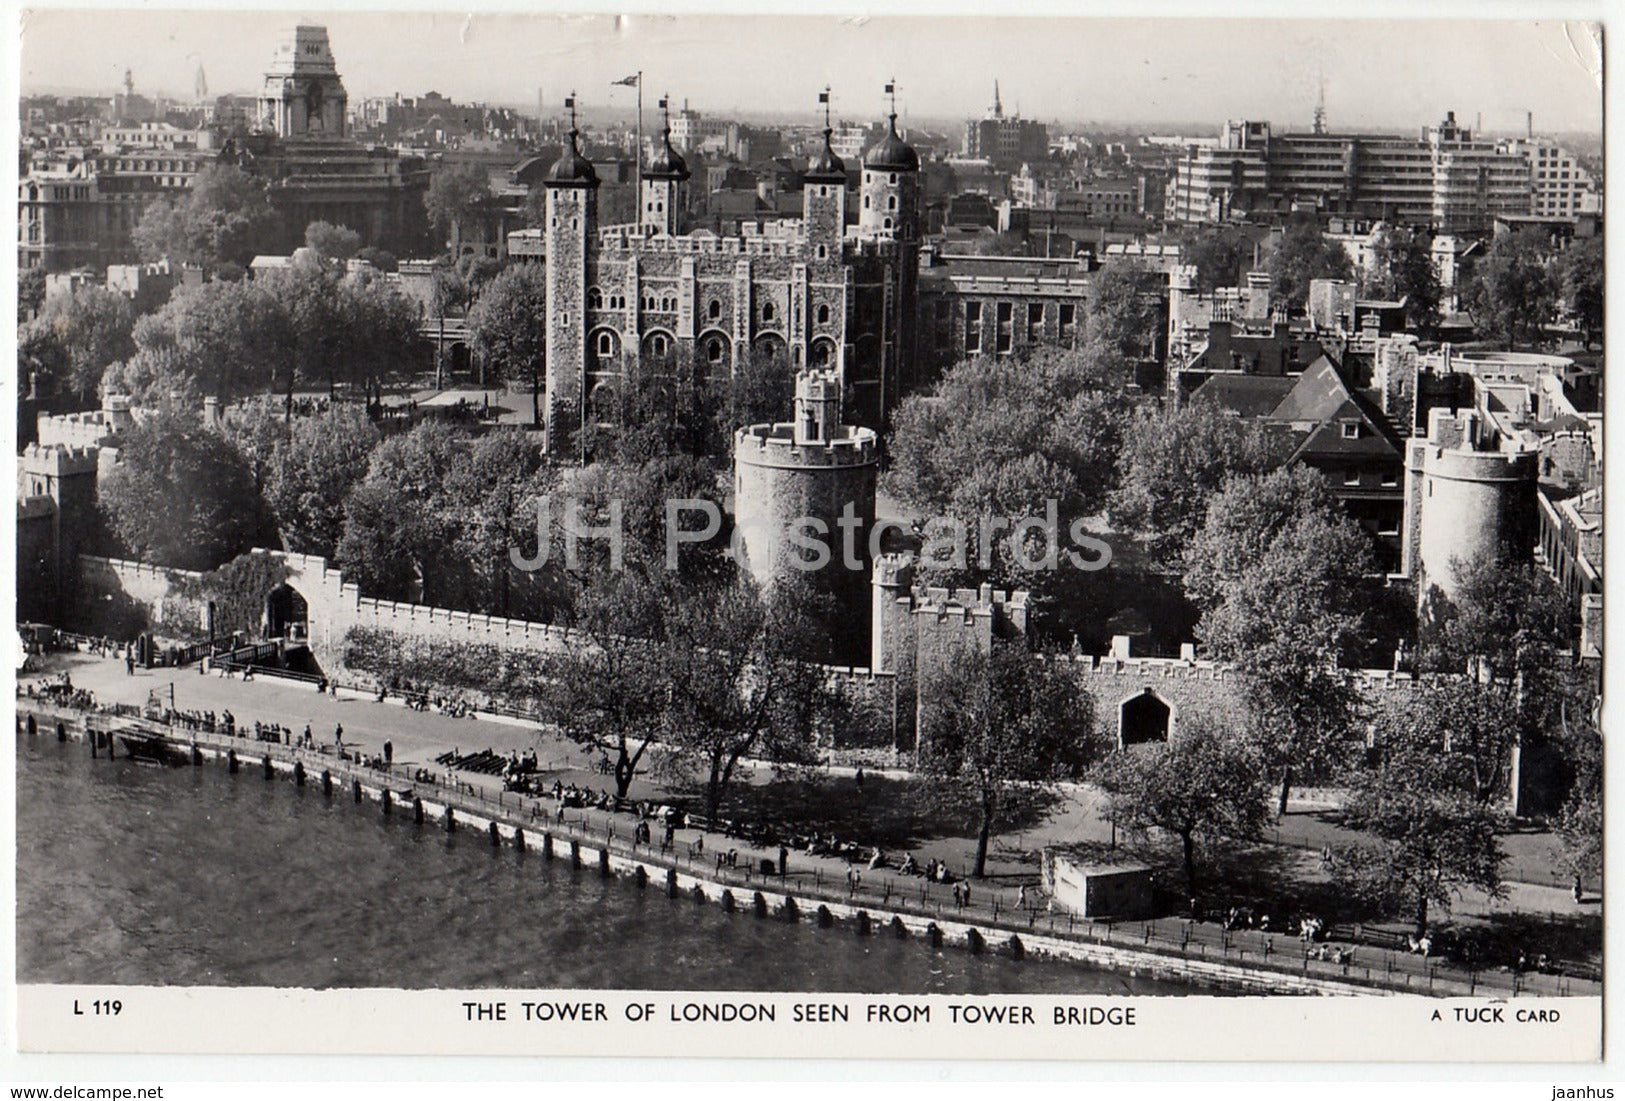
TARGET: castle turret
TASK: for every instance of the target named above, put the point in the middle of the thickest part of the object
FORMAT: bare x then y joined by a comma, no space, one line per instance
804,504
889,229
662,185
572,224
302,96
823,195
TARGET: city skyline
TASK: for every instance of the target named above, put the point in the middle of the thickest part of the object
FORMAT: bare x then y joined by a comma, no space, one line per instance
1176,67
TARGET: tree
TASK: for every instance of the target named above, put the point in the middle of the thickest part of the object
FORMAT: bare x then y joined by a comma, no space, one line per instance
1173,461
30,292
397,525
1200,786
1510,618
1000,719
181,494
224,339
226,218
736,682
1302,254
1402,267
761,390
312,471
608,692
508,329
1006,437
378,258
1581,271
1126,308
1278,571
492,491
1433,839
1512,294
332,242
454,197
77,336
1470,728
1220,254
1579,830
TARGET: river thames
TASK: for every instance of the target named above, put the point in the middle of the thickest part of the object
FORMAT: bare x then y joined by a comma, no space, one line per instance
143,876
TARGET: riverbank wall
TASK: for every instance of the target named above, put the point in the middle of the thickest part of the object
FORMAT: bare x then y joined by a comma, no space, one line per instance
522,824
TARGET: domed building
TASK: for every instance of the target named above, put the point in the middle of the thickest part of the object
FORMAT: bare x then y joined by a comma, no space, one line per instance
808,292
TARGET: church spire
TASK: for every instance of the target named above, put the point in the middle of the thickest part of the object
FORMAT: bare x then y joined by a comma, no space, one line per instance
997,106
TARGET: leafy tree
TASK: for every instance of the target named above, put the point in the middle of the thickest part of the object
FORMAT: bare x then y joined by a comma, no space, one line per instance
1220,254
737,683
1200,786
378,258
1581,271
397,523
660,406
1403,268
77,336
226,218
1433,838
508,328
997,720
492,493
609,693
1512,293
30,292
224,339
311,471
181,494
1300,255
1278,570
332,242
761,390
1174,460
1579,830
1126,308
1509,617
1004,437
1470,728
454,197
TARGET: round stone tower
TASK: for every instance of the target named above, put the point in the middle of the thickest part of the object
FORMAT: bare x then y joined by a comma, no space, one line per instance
804,504
1477,500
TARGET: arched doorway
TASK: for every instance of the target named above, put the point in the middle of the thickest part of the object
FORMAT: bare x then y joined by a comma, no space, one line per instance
1144,717
286,614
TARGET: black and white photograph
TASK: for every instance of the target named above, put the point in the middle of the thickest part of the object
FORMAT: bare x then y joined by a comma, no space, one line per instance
778,521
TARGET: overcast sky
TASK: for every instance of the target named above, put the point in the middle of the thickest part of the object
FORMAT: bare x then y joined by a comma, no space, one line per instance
1378,73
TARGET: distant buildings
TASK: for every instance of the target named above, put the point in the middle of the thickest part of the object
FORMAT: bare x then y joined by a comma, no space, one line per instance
1005,141
1445,178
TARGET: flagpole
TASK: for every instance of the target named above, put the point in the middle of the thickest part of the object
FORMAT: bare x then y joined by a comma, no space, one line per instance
637,182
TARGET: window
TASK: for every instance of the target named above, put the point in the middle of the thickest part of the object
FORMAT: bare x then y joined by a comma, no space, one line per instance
606,345
823,252
1005,337
669,304
866,202
1035,322
713,350
1389,478
1351,430
595,298
823,315
886,224
659,345
714,309
1351,477
1069,320
767,311
973,327
891,202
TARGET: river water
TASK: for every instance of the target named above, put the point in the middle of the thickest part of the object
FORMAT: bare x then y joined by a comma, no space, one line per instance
142,876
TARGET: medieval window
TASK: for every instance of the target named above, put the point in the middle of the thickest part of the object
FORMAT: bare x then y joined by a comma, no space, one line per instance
1351,477
658,344
714,308
891,202
767,311
668,304
823,191
823,252
595,298
713,350
866,202
823,315
891,178
606,345
886,224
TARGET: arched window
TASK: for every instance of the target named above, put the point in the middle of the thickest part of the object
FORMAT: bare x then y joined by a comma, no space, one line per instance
891,202
823,252
767,311
823,315
866,202
606,345
891,178
658,344
595,298
886,224
668,304
823,191
714,310
714,350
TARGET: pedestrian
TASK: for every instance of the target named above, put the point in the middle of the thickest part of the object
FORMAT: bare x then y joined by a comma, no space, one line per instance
389,752
338,735
966,895
858,776
129,664
784,859
1578,891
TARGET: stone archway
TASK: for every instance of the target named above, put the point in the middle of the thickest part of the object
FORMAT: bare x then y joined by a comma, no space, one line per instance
287,614
1144,717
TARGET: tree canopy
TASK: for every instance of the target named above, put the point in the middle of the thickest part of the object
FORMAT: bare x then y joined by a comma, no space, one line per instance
1302,254
1220,254
994,720
181,494
508,328
76,337
454,196
1581,272
332,242
1403,268
1513,291
224,219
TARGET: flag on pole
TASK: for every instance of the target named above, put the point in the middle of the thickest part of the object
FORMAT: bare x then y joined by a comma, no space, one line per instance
663,103
823,97
569,103
891,87
628,81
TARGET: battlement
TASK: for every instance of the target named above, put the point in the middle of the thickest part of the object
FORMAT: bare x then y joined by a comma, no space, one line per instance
894,571
984,601
638,239
776,445
58,460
